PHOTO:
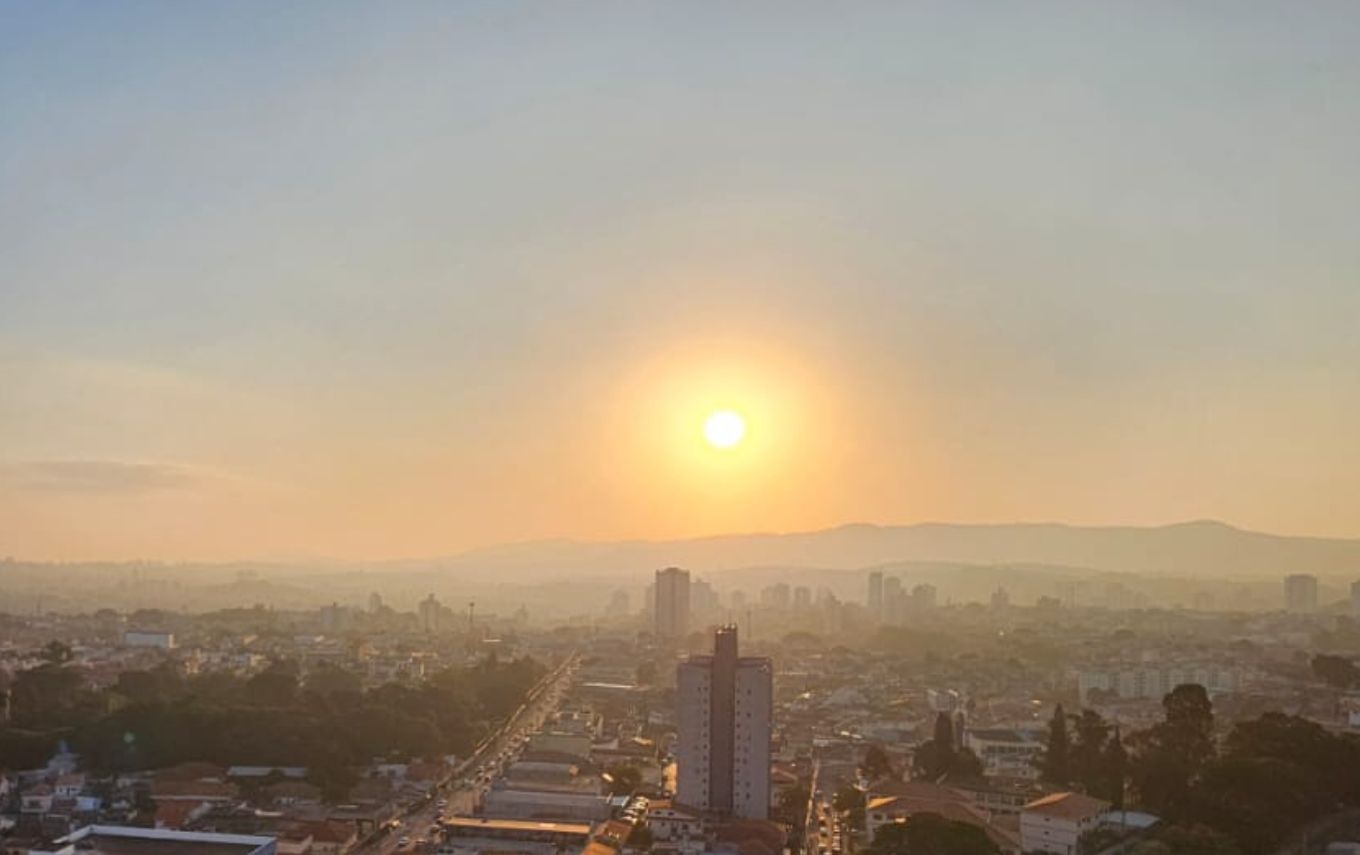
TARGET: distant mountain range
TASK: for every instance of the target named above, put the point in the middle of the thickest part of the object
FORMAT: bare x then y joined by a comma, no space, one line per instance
1203,550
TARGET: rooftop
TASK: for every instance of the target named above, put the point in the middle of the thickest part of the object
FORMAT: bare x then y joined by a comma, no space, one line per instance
518,825
121,840
1068,806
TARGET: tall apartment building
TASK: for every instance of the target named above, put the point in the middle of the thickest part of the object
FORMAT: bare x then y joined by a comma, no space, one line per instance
894,601
429,610
724,711
1300,593
672,603
875,599
776,596
704,604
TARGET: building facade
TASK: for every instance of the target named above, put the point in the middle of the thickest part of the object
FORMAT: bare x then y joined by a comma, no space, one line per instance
875,598
1056,823
672,603
1300,593
724,711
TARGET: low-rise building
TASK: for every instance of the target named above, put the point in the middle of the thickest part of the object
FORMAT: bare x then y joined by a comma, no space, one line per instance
1005,753
470,835
1055,823
124,840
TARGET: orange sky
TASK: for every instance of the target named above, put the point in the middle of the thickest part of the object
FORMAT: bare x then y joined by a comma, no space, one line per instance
398,282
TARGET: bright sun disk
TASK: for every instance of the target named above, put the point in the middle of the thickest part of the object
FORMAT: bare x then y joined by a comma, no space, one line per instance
724,429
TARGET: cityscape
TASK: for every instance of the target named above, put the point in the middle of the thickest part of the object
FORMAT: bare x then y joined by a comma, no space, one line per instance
693,719
679,427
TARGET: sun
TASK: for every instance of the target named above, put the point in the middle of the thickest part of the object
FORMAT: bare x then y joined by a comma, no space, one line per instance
724,428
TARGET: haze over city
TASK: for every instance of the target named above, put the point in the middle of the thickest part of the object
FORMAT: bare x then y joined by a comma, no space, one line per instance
679,428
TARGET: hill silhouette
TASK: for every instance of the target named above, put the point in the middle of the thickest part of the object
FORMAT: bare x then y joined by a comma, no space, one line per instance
1202,549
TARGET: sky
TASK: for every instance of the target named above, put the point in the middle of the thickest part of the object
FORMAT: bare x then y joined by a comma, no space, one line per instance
364,280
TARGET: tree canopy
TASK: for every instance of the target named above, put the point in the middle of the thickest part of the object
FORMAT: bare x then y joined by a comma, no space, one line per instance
157,718
931,834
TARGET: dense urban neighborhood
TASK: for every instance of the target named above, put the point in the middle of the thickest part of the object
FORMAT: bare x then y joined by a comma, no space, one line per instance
784,721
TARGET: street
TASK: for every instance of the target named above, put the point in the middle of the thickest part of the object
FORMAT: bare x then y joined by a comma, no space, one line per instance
464,788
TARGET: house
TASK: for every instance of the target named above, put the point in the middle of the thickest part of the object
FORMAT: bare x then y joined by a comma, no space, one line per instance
669,821
898,802
292,793
196,791
36,799
332,838
176,814
293,843
70,785
1056,822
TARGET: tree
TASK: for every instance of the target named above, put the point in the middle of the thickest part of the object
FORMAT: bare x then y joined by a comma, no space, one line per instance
944,731
275,686
793,803
1337,671
41,696
1330,759
641,837
850,801
1054,763
1088,755
624,780
932,834
1258,801
877,765
935,760
328,679
1190,721
1195,839
335,777
1170,754
56,653
1116,770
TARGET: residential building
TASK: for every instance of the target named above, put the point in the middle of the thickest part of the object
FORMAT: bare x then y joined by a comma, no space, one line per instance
429,611
1055,823
1300,593
672,603
1005,753
669,821
875,598
470,835
724,716
126,840
1130,681
161,640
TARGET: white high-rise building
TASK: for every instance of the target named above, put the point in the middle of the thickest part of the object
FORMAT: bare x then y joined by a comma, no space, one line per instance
724,712
672,603
1300,593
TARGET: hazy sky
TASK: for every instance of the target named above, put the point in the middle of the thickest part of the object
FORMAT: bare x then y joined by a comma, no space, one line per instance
384,279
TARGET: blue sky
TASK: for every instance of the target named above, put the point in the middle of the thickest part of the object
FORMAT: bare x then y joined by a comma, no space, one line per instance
312,264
